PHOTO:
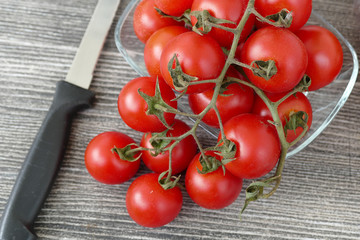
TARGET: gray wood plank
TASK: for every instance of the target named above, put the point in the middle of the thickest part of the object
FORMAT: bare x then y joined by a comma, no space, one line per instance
319,196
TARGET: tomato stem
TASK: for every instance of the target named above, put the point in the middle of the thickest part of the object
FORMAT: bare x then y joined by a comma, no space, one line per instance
220,122
127,153
202,151
240,64
204,81
229,29
175,111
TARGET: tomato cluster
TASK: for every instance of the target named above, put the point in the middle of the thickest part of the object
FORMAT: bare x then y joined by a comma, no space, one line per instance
243,66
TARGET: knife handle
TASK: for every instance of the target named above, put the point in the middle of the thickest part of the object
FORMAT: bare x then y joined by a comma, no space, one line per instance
40,167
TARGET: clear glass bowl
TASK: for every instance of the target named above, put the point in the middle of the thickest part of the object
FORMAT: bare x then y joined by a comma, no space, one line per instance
326,102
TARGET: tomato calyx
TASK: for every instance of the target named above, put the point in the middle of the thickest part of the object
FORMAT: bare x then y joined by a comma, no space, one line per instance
209,164
283,18
264,69
205,22
167,181
181,80
159,144
260,68
156,105
304,84
127,153
295,120
226,149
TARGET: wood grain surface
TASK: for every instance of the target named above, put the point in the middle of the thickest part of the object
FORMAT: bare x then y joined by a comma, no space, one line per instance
319,197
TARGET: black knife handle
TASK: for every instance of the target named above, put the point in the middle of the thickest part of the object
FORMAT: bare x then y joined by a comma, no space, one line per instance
42,163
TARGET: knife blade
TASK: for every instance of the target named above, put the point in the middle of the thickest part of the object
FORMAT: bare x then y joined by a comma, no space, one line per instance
43,160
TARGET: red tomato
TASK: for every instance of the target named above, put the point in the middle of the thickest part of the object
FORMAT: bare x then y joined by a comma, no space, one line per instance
281,46
231,10
147,20
325,55
258,146
173,8
106,166
199,56
182,154
292,104
301,11
132,107
214,190
235,99
149,205
155,45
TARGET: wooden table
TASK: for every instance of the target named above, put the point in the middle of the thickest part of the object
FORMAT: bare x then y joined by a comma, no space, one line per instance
319,197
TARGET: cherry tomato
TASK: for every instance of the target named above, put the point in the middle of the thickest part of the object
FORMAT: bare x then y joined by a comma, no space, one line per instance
106,166
257,143
301,11
147,20
325,55
292,104
155,45
231,10
182,154
233,100
173,8
291,61
199,56
132,107
214,190
149,205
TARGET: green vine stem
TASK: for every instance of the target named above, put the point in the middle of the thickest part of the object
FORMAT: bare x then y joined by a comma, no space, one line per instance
170,181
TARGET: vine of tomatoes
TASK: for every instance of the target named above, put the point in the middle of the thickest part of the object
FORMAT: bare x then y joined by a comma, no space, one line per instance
243,66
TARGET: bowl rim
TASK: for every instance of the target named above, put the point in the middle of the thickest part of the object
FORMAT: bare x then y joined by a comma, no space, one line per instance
344,97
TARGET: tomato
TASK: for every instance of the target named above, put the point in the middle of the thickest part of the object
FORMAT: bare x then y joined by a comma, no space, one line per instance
257,146
214,190
155,45
173,8
182,154
231,10
147,20
199,56
325,55
132,107
106,166
292,104
301,11
149,205
291,61
233,100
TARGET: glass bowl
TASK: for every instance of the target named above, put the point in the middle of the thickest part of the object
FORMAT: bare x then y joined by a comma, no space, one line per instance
326,102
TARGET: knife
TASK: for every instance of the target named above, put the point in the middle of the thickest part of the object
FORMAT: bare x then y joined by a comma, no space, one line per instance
41,165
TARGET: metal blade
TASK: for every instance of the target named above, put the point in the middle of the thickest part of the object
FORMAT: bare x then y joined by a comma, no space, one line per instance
82,68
